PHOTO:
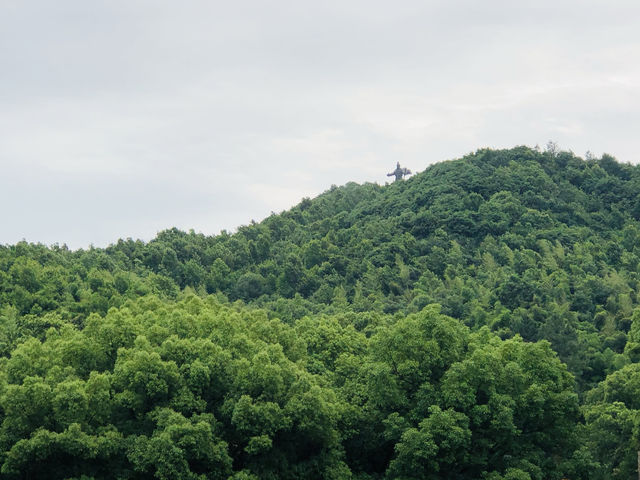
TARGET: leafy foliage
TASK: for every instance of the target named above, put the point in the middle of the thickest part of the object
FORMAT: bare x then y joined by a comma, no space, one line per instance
478,320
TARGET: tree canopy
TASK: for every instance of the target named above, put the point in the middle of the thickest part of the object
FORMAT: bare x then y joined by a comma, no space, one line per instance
477,320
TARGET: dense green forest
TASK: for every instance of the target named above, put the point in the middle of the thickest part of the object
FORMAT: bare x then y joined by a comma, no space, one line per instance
479,320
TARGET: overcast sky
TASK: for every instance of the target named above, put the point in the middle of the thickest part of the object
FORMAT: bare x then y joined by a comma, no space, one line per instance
120,118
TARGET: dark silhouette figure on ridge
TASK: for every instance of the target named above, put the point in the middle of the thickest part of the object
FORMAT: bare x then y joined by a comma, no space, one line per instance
399,172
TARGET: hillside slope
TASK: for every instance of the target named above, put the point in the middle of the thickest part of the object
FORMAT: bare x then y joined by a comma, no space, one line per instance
525,242
513,245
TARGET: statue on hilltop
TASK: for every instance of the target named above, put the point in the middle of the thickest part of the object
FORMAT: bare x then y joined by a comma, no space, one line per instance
399,172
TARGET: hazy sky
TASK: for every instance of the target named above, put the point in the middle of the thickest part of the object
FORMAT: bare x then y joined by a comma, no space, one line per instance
120,118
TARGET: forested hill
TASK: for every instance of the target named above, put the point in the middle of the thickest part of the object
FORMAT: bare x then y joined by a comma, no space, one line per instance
538,244
308,345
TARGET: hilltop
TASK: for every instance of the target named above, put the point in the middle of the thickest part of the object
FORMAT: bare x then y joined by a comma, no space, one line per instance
405,310
537,244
